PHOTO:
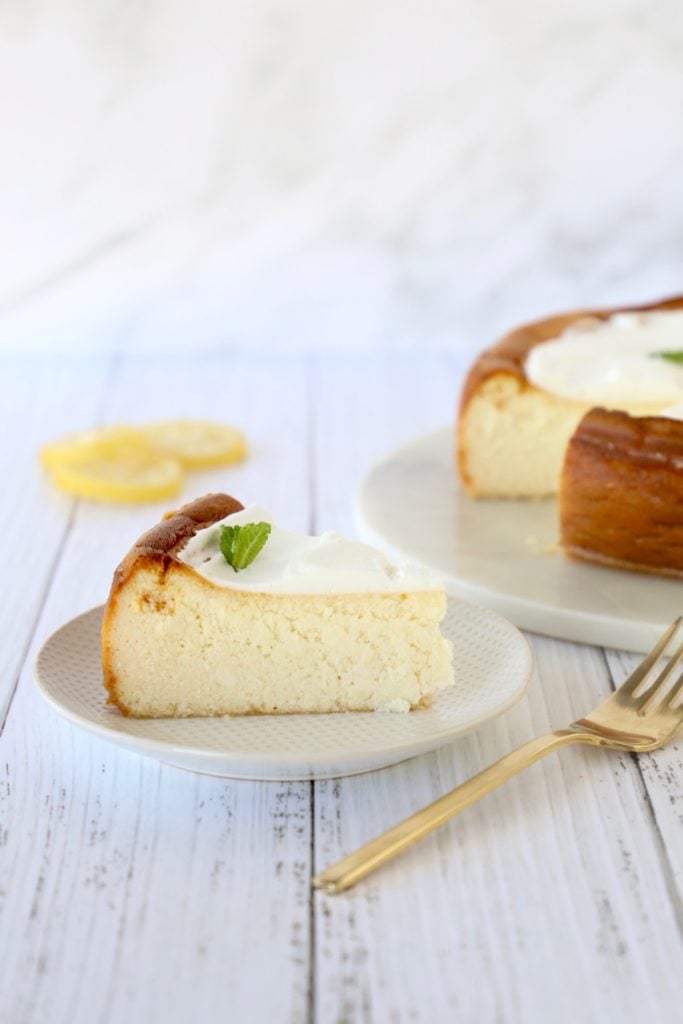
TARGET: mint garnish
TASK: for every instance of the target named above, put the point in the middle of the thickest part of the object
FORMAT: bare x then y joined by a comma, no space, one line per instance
241,544
672,356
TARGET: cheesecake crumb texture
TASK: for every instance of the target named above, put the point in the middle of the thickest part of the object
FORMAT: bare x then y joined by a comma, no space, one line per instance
512,439
175,645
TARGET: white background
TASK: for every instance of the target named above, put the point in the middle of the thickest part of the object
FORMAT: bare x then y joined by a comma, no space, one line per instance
332,175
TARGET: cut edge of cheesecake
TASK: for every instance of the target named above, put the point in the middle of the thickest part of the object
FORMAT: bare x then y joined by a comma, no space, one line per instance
511,436
162,612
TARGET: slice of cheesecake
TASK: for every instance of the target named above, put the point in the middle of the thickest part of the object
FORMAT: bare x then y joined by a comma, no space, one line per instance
313,624
512,434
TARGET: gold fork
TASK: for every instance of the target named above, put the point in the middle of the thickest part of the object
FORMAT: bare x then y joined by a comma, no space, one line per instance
639,716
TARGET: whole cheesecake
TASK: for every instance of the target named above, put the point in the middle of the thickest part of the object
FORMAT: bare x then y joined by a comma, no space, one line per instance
512,434
312,624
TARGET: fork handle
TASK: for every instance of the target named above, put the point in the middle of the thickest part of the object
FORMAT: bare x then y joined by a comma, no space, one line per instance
378,851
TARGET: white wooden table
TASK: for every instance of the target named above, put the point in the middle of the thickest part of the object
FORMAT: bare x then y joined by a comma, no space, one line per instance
130,891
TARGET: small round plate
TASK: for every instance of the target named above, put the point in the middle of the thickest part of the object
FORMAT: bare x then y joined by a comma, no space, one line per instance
493,664
504,554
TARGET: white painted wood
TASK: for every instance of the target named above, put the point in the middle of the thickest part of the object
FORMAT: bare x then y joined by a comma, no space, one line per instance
662,776
40,400
131,892
546,901
360,408
549,900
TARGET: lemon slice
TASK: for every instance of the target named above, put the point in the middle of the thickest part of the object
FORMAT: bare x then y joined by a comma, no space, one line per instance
130,477
198,444
100,443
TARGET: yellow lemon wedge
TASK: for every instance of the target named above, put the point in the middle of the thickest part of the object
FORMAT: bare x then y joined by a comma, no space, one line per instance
126,477
197,444
99,443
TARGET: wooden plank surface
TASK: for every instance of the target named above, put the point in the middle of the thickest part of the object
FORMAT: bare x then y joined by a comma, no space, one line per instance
130,891
661,772
133,891
41,398
550,899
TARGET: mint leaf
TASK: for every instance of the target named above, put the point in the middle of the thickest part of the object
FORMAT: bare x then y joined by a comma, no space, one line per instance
249,540
672,356
241,544
226,542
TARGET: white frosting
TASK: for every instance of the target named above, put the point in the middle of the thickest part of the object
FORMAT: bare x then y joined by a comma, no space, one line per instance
674,412
610,362
293,563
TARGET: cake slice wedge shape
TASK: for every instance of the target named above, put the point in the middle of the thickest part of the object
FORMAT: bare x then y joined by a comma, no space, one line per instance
312,625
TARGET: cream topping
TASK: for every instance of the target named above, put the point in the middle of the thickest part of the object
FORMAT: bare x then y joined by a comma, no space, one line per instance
613,362
674,412
293,563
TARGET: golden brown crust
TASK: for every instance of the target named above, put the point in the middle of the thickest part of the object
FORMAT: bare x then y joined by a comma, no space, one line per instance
158,548
508,354
621,492
170,535
422,704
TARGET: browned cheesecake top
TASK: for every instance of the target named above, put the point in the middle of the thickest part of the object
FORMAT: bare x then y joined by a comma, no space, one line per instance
169,536
508,354
640,439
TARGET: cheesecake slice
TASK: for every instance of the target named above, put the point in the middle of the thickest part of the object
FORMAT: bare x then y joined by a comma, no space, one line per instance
312,624
512,433
621,493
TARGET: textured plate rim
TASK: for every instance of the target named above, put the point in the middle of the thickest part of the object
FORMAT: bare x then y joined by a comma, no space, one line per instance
385,755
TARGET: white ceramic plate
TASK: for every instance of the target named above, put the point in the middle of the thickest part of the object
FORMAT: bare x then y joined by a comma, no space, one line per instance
493,665
504,555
